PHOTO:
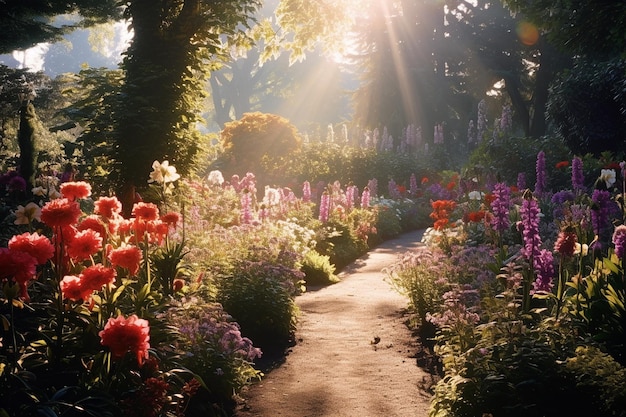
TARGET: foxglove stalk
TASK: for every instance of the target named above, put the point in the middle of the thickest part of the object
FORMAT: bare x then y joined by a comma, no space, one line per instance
373,187
521,181
246,208
365,198
619,240
500,207
351,192
324,207
413,185
542,182
601,210
530,228
578,180
306,192
544,271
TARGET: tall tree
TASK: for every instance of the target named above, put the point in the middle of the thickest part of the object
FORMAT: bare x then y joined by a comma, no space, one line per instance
173,48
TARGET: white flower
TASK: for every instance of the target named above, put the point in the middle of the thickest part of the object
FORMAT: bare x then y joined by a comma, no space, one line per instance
163,173
39,191
53,194
26,214
608,176
581,249
215,178
475,195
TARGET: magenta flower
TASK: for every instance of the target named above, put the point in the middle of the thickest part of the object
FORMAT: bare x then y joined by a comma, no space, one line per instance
306,192
541,183
530,227
324,207
544,271
619,240
578,180
365,198
500,207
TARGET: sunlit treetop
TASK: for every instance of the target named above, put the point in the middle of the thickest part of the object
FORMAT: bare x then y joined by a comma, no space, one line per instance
25,24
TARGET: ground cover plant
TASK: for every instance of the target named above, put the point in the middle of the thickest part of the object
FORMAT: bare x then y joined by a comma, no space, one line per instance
524,292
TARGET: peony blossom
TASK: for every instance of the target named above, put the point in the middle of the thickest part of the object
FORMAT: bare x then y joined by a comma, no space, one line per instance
122,335
108,207
75,190
73,289
60,212
163,173
93,222
171,219
17,266
37,246
26,214
84,244
145,211
97,276
128,257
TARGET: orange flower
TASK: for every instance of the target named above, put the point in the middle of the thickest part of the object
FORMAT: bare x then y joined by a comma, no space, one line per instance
424,180
128,257
123,335
441,213
84,244
39,247
476,216
60,212
562,164
75,190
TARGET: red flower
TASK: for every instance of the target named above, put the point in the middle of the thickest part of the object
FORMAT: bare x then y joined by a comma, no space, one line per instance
94,223
75,190
97,276
441,213
145,211
128,257
84,244
424,180
489,198
514,189
123,335
451,185
566,243
562,164
60,212
18,266
108,207
476,216
178,284
39,247
171,219
73,289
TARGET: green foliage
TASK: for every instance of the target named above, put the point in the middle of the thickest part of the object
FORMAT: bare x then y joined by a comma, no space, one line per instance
503,159
318,270
260,143
587,106
259,295
340,243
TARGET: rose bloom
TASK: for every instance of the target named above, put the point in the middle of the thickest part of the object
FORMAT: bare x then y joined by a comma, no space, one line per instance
37,246
108,207
128,257
123,335
26,214
60,212
92,222
145,211
84,244
75,190
73,289
97,276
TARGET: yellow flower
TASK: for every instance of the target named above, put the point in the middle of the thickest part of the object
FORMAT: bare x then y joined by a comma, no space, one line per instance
26,214
163,173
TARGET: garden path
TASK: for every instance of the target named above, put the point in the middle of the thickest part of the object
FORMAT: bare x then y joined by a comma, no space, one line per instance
354,356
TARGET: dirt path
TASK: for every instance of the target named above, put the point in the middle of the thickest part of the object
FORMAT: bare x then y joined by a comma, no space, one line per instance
336,369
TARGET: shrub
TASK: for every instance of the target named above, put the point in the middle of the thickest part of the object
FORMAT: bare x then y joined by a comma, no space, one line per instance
260,296
318,270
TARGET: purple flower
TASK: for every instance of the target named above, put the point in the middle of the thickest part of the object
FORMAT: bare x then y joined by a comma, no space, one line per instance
365,198
542,182
530,227
521,181
324,207
500,207
413,185
544,271
601,210
558,200
393,190
351,193
246,208
619,240
373,186
306,192
578,181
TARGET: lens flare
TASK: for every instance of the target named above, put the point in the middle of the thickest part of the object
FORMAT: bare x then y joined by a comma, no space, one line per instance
527,33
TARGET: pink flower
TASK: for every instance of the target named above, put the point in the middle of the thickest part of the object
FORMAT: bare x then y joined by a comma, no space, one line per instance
94,223
39,247
123,335
145,211
171,219
108,207
84,244
97,276
128,257
75,190
73,289
17,266
60,212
